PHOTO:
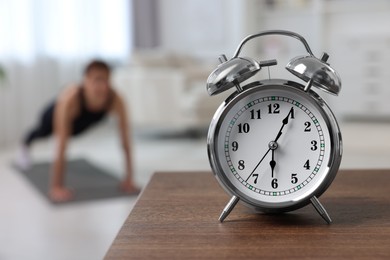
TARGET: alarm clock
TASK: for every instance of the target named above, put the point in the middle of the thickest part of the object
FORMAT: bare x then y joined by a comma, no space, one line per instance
274,144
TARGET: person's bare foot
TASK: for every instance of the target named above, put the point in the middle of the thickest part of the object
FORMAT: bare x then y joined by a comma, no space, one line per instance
60,194
129,188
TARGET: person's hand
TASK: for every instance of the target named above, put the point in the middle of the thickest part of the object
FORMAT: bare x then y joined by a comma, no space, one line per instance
129,187
60,194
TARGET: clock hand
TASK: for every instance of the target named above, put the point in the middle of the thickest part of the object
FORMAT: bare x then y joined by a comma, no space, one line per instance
285,122
258,164
272,163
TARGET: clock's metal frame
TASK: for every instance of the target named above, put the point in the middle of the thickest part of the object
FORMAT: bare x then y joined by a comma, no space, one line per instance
332,165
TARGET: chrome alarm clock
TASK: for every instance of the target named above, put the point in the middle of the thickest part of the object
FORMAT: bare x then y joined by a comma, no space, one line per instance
274,144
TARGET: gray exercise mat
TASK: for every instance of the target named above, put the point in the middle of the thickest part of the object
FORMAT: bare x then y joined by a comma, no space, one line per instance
86,180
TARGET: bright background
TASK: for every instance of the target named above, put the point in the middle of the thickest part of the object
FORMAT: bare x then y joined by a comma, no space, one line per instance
161,53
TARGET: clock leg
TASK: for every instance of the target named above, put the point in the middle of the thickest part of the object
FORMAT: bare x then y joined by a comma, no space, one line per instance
228,208
320,209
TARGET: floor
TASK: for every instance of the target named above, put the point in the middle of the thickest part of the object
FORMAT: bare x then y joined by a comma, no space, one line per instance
33,229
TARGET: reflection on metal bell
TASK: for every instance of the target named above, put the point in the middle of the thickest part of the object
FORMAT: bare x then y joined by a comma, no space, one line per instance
318,71
231,73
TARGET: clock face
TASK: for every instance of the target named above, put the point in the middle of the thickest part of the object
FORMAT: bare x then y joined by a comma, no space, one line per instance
273,146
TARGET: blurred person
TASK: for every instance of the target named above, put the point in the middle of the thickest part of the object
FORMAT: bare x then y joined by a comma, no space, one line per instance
78,108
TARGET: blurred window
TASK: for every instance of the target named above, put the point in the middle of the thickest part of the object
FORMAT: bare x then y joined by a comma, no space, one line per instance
64,29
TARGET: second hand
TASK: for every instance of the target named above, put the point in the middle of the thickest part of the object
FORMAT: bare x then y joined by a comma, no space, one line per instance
258,164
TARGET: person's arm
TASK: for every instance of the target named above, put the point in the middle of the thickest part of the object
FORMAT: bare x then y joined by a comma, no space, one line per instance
119,108
63,115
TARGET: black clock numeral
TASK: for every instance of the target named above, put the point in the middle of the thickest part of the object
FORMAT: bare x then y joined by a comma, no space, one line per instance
243,128
234,146
307,165
256,177
307,126
255,114
276,109
314,145
294,178
241,165
274,183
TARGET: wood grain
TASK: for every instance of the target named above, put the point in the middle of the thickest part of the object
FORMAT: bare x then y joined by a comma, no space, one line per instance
176,217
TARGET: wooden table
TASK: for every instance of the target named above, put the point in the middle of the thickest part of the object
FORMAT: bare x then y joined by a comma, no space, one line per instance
176,217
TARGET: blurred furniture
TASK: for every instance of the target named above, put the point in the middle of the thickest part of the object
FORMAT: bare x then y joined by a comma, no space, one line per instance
166,91
176,217
366,92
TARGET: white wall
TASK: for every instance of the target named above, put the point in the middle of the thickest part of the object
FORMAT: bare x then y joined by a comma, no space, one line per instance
27,89
359,38
209,27
202,28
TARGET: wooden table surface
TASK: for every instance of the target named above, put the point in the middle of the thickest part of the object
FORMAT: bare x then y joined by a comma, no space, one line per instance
176,217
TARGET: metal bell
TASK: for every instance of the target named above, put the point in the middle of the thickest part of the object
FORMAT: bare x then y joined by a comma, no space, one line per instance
231,73
316,72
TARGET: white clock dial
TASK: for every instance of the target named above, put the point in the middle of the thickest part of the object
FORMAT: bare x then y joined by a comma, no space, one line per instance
274,145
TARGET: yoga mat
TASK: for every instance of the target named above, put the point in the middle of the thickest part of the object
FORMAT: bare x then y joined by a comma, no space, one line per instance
87,181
